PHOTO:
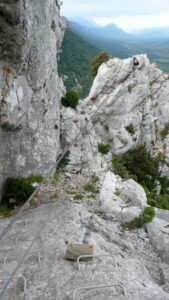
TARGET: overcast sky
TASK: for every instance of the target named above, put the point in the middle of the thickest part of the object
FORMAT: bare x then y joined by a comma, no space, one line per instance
128,14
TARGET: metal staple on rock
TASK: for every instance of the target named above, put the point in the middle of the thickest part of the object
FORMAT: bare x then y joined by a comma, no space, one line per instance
94,255
102,286
28,250
16,217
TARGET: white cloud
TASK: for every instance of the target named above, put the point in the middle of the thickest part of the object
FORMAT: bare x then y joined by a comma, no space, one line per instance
129,23
109,8
127,14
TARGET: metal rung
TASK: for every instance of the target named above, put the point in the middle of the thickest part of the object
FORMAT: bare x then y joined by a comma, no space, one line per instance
41,237
102,286
94,255
18,276
15,254
24,221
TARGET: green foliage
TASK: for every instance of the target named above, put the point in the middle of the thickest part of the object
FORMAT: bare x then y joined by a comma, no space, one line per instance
65,160
103,148
16,191
10,127
165,131
119,167
71,99
91,188
34,178
56,176
95,179
130,129
4,211
75,61
97,61
160,201
164,181
78,197
145,217
139,165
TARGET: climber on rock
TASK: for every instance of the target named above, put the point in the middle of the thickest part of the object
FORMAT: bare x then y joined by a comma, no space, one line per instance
135,63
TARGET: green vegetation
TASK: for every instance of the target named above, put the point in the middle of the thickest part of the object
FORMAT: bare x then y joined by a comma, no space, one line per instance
139,165
10,127
71,99
56,176
78,197
103,148
119,167
92,186
16,191
65,160
165,131
145,217
4,211
130,129
97,61
160,201
75,61
95,178
34,178
78,50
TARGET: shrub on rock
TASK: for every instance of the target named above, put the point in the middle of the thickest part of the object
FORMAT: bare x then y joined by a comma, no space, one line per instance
103,148
17,190
71,99
145,217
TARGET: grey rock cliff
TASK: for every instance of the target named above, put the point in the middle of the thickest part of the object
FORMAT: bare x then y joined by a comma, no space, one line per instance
120,99
31,33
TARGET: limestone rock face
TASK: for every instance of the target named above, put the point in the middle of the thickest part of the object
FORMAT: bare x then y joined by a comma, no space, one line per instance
31,33
125,108
123,201
133,105
158,231
138,268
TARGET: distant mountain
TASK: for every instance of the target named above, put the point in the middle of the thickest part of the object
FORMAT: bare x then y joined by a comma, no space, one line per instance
75,63
152,33
110,38
88,23
110,31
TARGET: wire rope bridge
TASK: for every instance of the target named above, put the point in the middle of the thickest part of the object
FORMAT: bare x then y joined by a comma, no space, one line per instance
21,222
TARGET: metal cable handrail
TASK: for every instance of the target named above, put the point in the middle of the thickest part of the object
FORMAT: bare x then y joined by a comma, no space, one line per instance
54,167
27,250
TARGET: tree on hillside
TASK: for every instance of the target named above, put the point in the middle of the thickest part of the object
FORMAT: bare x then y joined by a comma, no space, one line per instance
97,61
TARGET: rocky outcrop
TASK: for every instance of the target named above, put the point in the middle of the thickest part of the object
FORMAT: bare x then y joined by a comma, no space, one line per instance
125,108
130,99
158,232
30,89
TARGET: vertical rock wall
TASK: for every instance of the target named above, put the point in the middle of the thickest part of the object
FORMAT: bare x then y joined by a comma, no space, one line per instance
31,33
